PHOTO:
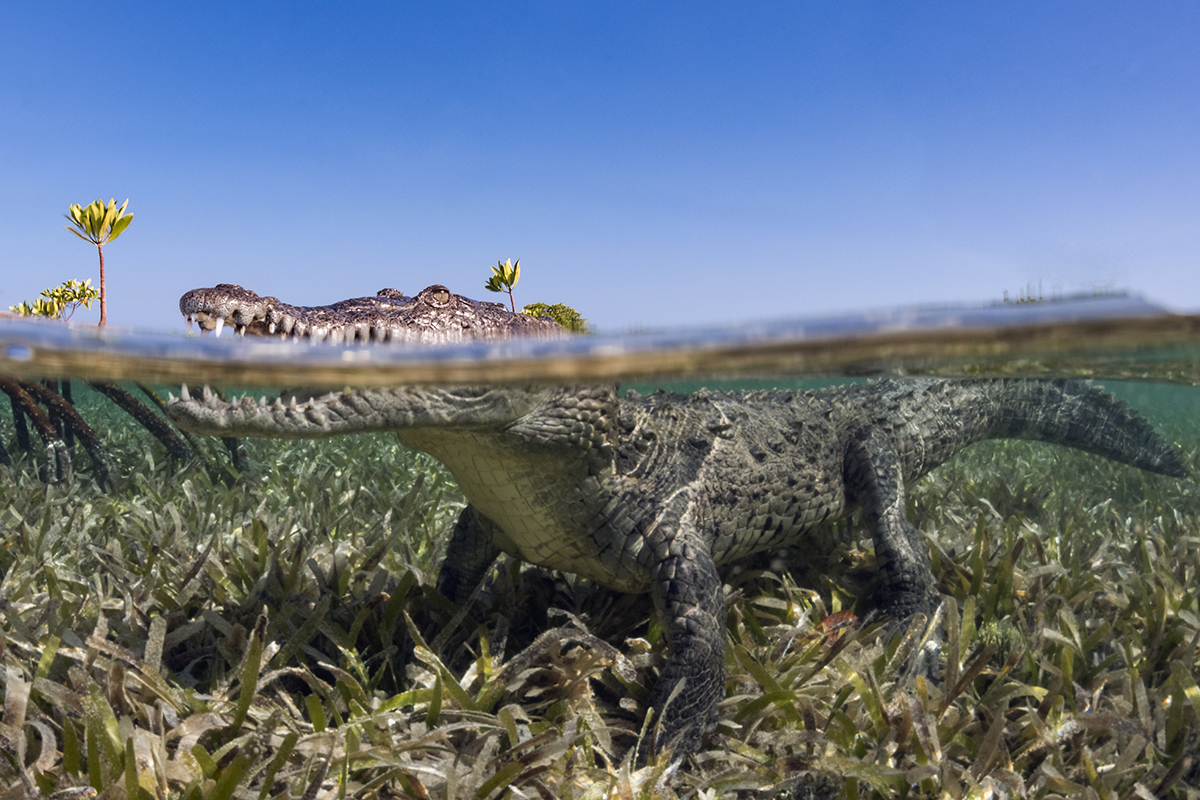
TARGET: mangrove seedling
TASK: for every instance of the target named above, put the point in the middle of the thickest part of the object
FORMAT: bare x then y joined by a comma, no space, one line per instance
59,302
504,278
98,224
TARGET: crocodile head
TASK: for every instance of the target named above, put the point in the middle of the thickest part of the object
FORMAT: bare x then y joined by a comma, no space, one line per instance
435,316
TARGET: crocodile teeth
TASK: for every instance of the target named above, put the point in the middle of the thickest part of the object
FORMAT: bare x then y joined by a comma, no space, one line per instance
218,325
183,393
270,327
292,402
206,394
190,321
241,330
170,397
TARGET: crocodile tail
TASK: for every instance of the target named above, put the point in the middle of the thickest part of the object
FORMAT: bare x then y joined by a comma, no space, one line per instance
1075,414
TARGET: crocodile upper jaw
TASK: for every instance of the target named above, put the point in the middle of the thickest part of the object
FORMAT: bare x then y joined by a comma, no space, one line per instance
434,316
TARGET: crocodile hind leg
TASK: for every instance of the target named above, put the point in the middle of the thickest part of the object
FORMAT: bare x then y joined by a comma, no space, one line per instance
690,603
874,481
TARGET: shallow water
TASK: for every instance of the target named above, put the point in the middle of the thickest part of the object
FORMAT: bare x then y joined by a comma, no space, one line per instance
365,501
1148,357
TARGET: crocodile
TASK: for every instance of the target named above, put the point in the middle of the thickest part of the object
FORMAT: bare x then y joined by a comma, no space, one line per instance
434,316
655,493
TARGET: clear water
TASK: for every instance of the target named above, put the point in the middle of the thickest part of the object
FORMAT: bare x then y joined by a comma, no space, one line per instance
1148,357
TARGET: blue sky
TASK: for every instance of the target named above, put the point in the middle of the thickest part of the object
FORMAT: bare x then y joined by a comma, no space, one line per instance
666,163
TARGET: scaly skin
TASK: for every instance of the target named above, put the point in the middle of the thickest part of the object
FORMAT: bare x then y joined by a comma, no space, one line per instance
654,494
434,316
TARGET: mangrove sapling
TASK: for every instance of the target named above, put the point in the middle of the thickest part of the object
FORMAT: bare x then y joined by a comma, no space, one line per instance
504,277
60,302
98,225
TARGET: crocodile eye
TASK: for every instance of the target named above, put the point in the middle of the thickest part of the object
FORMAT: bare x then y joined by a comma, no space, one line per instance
441,297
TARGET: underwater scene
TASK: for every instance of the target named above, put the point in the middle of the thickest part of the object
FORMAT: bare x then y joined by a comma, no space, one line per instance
206,596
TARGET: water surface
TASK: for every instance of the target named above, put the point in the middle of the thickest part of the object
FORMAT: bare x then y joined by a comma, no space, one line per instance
1117,337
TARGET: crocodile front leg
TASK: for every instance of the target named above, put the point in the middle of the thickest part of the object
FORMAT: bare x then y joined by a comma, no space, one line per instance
471,551
688,597
874,481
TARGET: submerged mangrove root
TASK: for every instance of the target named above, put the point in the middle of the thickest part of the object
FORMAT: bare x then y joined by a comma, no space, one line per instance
19,424
237,450
64,388
61,409
146,418
60,424
237,453
57,464
55,415
240,460
162,406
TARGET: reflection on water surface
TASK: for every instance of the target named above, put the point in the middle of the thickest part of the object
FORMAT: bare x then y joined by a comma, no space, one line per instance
1110,336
